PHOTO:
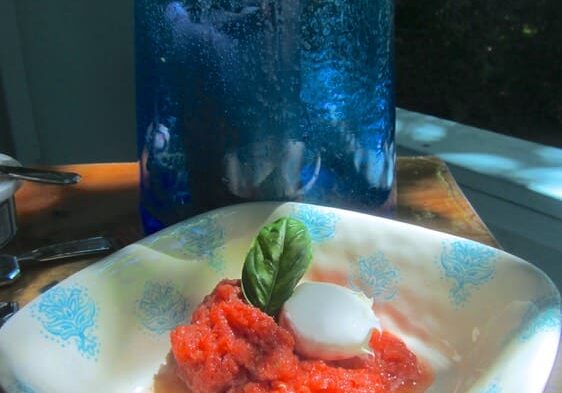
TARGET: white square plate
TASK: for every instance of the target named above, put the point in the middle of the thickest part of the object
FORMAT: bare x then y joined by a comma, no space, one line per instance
486,321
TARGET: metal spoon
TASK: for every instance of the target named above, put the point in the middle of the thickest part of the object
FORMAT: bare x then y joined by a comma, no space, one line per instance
10,269
40,175
7,310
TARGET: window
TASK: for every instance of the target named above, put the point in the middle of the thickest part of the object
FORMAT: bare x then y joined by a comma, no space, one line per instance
488,63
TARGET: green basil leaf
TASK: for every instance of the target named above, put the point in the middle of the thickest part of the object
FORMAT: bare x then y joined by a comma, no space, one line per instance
277,260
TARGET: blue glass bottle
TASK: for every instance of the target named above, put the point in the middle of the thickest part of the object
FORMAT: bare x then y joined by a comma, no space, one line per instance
244,100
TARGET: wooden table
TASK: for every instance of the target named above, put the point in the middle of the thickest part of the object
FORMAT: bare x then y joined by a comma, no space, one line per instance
106,201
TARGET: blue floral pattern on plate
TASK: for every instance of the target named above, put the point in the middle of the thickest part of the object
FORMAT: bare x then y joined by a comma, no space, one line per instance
202,239
376,276
321,225
161,308
21,387
68,316
493,388
469,265
541,316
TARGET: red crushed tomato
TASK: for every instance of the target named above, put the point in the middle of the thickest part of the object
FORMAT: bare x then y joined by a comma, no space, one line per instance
233,347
